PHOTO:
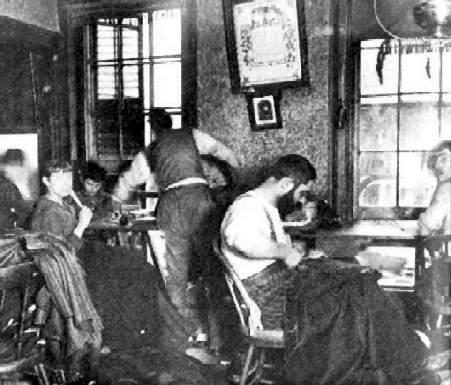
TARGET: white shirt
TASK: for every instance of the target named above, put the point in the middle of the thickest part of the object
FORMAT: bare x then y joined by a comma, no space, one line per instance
260,222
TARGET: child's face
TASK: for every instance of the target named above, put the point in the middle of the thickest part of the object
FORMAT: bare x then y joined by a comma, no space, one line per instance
91,187
59,183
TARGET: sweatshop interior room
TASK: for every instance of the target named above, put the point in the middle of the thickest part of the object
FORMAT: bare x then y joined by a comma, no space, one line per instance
225,192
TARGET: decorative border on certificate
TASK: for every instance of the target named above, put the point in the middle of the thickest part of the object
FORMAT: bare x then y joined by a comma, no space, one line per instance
266,43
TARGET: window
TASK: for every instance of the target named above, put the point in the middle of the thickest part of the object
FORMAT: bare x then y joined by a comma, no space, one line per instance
404,109
131,64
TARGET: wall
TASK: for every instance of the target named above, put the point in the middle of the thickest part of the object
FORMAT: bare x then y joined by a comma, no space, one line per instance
41,13
304,111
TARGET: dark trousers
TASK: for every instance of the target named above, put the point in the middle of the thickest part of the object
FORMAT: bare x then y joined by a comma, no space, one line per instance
187,216
267,289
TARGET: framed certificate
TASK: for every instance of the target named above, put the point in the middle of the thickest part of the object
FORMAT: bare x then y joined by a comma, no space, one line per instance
266,43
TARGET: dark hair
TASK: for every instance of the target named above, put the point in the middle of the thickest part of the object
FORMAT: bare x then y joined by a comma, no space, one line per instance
54,165
94,171
160,119
443,145
293,166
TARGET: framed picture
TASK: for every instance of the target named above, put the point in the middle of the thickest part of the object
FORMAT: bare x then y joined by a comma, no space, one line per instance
266,43
264,111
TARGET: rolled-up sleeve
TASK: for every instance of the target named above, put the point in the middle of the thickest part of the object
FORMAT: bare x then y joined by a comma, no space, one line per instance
206,144
138,173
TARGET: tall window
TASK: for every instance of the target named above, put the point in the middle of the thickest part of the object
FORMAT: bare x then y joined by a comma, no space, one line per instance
132,64
404,110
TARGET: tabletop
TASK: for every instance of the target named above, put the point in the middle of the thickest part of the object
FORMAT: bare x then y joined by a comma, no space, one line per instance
135,225
386,230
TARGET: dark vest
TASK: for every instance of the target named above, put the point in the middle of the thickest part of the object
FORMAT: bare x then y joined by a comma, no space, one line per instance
174,157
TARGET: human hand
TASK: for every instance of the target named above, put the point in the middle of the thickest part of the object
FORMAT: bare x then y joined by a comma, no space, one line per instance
293,257
84,216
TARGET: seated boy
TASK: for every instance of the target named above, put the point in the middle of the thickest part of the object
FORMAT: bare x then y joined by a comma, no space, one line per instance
92,194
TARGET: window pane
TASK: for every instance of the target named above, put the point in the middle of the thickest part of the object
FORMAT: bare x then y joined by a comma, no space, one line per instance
167,33
106,82
106,42
418,127
369,80
416,183
377,185
131,81
167,84
420,72
378,128
446,124
415,98
130,43
446,71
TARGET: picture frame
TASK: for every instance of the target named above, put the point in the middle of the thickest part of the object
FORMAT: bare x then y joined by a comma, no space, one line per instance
264,111
266,43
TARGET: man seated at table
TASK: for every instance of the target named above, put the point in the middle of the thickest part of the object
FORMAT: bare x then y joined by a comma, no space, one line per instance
359,329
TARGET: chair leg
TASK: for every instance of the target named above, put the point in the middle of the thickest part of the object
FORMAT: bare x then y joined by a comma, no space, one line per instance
245,372
23,311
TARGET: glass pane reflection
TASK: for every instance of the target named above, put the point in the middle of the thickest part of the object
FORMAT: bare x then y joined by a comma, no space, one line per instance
416,182
378,128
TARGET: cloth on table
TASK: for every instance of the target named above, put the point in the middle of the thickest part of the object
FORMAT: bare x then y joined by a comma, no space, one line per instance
342,328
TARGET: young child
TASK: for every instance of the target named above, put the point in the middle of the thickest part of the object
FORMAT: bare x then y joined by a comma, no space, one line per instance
92,194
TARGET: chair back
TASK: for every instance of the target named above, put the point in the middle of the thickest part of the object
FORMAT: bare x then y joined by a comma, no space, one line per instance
247,309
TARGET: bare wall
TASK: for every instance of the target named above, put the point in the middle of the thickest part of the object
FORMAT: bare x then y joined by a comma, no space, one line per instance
304,111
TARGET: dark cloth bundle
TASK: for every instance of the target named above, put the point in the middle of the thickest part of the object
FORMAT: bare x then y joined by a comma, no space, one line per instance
341,328
65,280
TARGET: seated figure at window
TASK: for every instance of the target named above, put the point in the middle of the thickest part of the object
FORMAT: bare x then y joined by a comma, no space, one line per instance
437,217
346,328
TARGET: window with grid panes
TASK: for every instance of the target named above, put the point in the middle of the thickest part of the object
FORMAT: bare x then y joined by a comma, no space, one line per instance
404,109
133,64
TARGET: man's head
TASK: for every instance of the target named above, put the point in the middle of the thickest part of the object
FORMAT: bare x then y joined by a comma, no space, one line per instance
160,120
93,178
291,175
440,160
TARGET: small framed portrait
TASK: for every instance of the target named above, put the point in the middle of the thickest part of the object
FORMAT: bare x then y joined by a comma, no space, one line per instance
264,111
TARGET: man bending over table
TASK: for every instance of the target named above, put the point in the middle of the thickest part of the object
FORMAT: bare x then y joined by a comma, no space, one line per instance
347,329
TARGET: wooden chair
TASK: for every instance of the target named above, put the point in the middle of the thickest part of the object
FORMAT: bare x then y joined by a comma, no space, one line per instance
20,276
255,336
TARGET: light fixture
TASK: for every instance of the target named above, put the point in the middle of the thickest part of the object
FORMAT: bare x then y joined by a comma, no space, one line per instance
434,16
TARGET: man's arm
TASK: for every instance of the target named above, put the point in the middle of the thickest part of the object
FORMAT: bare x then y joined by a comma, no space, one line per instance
245,230
138,173
432,220
208,145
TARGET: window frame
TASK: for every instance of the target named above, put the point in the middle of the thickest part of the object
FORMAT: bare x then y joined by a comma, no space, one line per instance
78,15
354,106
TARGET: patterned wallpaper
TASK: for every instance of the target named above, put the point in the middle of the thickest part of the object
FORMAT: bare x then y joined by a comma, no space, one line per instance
42,13
304,111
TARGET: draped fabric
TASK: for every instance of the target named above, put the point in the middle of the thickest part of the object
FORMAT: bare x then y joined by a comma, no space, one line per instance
341,328
65,281
11,251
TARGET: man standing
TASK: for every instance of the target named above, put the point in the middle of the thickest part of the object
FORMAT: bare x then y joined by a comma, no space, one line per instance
186,212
